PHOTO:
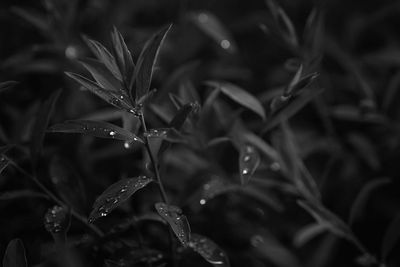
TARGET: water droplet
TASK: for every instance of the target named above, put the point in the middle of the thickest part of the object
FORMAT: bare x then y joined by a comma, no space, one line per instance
245,171
202,201
225,44
246,158
249,149
275,166
202,17
112,133
127,145
71,52
121,97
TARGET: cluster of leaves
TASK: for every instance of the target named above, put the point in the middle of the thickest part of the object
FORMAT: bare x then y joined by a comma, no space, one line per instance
210,169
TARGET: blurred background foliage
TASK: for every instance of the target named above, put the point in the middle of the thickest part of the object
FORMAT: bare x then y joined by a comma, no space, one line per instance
347,136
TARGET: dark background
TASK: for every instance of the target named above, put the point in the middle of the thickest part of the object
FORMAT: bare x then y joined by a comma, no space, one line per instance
348,137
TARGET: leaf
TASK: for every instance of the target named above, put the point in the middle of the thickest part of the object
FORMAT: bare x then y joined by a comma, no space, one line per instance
216,187
113,98
35,19
15,254
12,195
67,183
116,194
7,85
240,96
360,203
291,109
209,250
313,31
213,27
104,56
176,220
123,56
391,237
40,126
146,61
305,234
169,134
102,76
95,128
249,160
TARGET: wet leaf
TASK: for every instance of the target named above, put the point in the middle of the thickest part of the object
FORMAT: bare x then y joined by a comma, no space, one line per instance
209,250
7,85
213,27
359,205
305,234
114,98
145,64
102,76
56,220
95,128
104,56
116,194
391,237
169,134
15,254
176,220
240,96
249,160
40,126
123,56
216,187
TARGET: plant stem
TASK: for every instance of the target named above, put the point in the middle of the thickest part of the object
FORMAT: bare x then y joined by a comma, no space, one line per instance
154,163
160,187
76,215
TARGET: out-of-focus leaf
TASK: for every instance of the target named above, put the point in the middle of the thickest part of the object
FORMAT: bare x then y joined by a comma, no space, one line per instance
270,248
262,146
365,149
212,26
15,254
145,64
249,160
391,237
41,123
307,233
4,161
11,195
176,100
37,20
116,194
327,218
215,187
284,24
240,96
67,183
358,208
113,98
123,56
103,76
95,128
291,109
7,85
104,56
209,250
176,220
313,31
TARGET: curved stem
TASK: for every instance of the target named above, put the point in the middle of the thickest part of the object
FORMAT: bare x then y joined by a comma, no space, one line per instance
76,215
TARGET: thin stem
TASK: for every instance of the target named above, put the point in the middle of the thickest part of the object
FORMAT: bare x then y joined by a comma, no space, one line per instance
76,215
160,187
154,163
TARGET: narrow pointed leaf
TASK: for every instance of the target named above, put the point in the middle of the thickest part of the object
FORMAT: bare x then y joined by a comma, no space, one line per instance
104,56
113,98
249,160
116,194
294,81
123,56
7,85
209,250
214,188
95,128
15,254
360,203
102,75
240,96
145,64
176,220
4,161
307,233
40,126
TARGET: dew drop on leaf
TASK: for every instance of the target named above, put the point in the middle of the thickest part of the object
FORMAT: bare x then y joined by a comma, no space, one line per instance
56,219
209,250
249,159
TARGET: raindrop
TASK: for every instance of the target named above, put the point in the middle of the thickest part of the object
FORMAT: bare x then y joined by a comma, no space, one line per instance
246,158
202,201
112,133
71,52
225,44
245,171
127,145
